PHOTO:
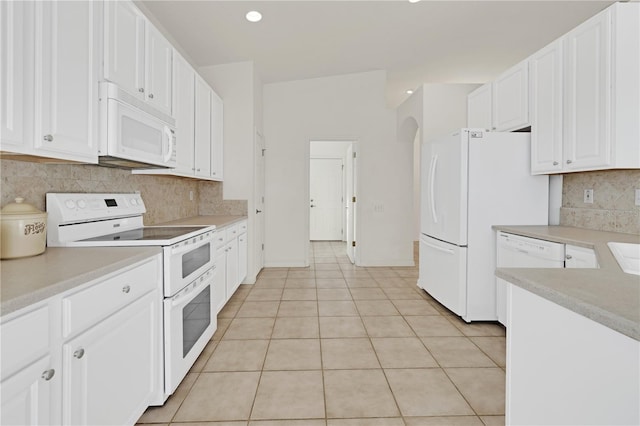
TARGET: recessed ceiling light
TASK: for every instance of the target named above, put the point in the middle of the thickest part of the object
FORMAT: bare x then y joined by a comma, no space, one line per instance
253,16
409,92
414,1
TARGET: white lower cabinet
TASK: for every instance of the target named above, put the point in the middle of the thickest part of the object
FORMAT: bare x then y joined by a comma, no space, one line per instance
231,257
90,356
579,373
220,280
26,396
111,369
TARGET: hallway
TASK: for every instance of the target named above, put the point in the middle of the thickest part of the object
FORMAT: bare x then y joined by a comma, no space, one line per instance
335,345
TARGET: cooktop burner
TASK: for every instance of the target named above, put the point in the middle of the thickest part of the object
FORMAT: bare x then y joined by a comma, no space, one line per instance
151,233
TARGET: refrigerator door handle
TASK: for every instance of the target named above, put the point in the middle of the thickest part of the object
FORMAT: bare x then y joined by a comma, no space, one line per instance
445,250
432,176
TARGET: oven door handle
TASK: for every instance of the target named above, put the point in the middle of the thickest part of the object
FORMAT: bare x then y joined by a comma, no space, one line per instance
187,293
182,248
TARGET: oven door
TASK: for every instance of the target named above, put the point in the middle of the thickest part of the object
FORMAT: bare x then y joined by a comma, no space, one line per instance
189,323
187,260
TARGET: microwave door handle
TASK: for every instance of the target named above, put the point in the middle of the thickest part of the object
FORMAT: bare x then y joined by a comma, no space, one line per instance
169,141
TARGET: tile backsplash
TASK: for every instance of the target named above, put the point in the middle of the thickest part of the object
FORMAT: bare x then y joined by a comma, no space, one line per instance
166,197
613,207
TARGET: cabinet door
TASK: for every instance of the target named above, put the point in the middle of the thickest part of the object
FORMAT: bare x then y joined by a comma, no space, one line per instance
511,98
242,257
16,74
184,112
587,113
66,80
580,257
26,396
113,369
203,129
124,46
545,79
158,53
232,267
217,136
479,108
220,295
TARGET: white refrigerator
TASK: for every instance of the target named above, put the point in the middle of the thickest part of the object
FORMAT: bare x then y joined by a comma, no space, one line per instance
471,180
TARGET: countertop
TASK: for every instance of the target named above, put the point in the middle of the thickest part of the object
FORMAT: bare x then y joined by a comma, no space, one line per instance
606,295
218,221
30,280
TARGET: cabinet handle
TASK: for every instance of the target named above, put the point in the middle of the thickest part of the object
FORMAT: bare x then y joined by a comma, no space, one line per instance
568,257
48,138
569,161
555,163
197,170
150,95
48,374
141,90
126,289
79,353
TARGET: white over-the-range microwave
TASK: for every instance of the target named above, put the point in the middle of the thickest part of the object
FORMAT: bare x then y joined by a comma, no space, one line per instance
133,134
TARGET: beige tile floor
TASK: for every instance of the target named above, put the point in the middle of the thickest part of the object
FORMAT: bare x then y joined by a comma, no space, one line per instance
339,345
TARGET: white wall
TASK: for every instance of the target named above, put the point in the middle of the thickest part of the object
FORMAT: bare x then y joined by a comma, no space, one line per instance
347,107
240,88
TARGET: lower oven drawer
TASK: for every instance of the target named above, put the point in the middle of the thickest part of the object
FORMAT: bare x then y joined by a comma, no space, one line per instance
80,310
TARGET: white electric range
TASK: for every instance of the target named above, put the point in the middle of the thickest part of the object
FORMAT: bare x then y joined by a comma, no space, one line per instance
115,220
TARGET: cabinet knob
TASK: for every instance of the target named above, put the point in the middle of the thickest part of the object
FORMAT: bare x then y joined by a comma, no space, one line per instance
48,374
79,353
213,173
569,161
568,257
126,289
555,163
48,138
141,90
150,95
197,170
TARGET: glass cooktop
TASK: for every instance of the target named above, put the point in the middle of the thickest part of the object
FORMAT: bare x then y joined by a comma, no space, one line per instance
152,233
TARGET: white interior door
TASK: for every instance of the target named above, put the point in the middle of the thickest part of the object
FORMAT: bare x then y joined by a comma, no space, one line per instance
326,195
259,203
350,205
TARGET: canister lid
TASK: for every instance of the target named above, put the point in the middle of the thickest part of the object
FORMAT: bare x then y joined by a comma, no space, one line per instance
19,208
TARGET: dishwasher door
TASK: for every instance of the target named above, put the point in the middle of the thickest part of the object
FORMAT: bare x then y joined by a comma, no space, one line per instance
515,251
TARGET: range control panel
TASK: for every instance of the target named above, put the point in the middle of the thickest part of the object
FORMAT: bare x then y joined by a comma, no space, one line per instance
78,207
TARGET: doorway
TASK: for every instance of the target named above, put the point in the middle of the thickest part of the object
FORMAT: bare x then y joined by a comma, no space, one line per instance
332,194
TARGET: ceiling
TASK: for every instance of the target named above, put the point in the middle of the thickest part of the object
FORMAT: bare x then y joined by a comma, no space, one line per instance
426,42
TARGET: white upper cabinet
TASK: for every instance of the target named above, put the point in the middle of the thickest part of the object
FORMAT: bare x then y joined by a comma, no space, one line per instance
49,79
136,56
587,85
202,147
545,78
503,104
158,69
124,46
184,112
479,108
217,136
16,44
66,79
511,99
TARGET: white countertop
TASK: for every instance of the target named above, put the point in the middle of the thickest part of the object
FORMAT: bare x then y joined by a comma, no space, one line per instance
30,280
606,295
219,221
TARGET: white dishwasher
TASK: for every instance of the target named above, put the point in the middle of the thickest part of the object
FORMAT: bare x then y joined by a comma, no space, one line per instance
515,251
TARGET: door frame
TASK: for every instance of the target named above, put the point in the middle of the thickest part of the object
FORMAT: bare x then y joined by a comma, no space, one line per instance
307,161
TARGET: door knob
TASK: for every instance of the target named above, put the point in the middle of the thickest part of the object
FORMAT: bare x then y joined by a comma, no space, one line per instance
258,211
312,205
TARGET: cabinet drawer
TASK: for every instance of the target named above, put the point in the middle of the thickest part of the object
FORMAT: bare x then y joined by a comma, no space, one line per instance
242,227
88,306
232,232
221,237
24,339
